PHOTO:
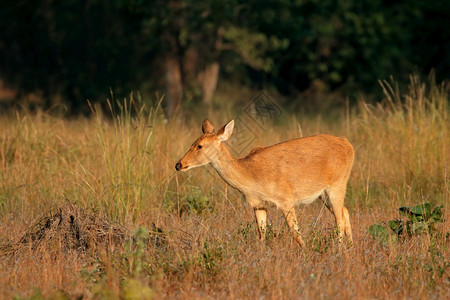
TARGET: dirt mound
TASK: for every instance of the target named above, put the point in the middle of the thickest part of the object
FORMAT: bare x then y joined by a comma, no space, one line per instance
74,228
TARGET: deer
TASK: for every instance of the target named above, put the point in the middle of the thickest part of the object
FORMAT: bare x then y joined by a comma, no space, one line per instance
287,174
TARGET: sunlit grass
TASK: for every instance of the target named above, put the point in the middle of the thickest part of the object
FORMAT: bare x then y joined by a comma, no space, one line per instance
119,164
404,143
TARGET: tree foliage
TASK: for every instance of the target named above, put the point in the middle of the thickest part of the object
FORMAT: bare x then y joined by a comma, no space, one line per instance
81,49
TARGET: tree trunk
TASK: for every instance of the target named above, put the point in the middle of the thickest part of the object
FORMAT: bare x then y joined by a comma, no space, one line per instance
208,79
190,66
174,85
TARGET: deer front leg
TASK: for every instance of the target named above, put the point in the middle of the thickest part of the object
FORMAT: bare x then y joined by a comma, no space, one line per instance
291,220
261,221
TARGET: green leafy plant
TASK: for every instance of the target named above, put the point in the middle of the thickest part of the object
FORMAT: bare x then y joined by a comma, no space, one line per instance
382,234
133,288
197,203
212,257
193,201
324,241
244,229
438,265
419,219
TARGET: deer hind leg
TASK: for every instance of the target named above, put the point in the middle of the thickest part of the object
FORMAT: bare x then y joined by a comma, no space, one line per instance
334,200
348,227
291,220
261,221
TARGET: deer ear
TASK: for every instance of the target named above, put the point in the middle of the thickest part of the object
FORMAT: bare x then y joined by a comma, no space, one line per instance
207,127
225,132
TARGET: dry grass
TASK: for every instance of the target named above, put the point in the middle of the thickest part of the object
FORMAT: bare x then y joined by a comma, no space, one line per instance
203,241
72,227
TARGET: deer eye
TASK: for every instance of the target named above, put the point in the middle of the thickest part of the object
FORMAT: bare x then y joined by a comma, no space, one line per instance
199,147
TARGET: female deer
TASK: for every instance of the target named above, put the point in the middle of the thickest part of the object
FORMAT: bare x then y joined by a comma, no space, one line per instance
293,172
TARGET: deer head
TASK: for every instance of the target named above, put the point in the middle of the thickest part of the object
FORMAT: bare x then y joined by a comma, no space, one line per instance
206,148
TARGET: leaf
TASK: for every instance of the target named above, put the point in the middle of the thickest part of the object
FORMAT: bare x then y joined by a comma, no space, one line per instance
417,213
382,234
405,211
396,226
422,210
377,230
418,227
436,214
438,209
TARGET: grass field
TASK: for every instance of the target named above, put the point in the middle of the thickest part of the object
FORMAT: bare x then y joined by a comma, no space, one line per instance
194,237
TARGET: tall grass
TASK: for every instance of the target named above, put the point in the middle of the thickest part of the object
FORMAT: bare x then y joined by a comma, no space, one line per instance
119,164
127,148
404,144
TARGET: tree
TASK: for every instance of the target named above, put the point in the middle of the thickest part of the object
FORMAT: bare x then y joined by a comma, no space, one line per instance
77,49
193,37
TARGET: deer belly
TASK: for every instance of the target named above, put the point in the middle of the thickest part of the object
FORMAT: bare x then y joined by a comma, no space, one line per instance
308,199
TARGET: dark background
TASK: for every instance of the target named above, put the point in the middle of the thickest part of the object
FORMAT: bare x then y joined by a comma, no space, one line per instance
70,51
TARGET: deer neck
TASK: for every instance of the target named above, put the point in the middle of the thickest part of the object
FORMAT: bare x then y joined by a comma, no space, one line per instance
229,168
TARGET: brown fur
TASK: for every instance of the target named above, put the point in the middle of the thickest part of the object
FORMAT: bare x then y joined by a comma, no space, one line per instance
297,171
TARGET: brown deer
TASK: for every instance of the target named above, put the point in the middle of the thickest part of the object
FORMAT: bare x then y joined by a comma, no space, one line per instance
293,172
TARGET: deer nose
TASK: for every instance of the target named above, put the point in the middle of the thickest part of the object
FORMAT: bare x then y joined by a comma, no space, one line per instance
178,166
